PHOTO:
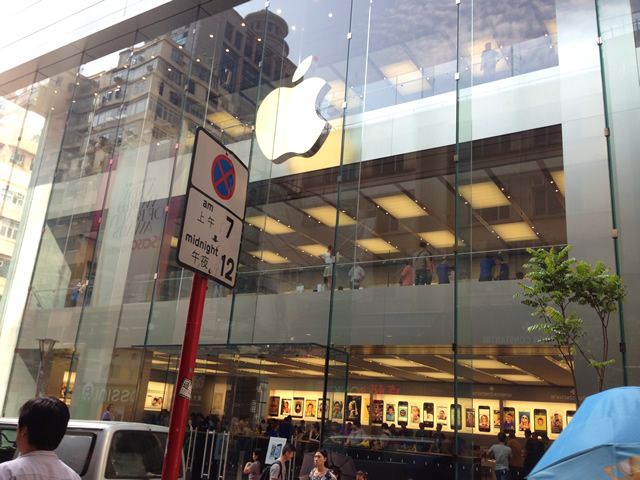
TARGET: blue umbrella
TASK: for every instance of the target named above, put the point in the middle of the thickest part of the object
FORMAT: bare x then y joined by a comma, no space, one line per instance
601,442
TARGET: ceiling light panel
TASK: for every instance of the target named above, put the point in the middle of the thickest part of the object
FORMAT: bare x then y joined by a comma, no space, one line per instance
315,250
368,373
255,370
437,375
520,378
399,68
377,245
515,232
327,215
439,239
318,361
269,225
558,178
485,364
307,372
401,206
483,195
394,362
269,257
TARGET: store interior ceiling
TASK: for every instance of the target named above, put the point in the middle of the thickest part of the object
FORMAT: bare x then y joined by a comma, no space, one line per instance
507,365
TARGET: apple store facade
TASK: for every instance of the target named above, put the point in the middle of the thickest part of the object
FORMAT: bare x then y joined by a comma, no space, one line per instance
402,157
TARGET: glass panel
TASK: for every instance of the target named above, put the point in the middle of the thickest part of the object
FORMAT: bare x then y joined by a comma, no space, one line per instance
617,21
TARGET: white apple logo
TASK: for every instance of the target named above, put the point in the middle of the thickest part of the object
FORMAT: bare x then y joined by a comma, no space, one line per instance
288,123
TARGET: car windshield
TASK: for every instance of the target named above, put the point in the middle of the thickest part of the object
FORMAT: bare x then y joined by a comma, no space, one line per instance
135,454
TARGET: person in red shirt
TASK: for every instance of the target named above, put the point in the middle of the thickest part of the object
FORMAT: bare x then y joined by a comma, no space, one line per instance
406,277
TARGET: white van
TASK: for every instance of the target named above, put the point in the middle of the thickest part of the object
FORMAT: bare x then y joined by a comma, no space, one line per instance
102,450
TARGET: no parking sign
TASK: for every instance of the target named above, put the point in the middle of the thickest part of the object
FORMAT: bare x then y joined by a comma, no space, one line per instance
214,215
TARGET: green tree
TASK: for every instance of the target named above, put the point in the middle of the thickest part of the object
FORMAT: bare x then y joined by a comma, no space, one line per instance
556,285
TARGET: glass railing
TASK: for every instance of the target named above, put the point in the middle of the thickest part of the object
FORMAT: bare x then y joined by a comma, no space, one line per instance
380,273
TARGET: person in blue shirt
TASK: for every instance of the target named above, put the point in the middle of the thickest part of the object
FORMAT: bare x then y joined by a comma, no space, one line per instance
503,273
443,270
486,268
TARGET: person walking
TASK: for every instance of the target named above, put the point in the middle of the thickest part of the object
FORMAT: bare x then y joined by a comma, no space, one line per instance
502,454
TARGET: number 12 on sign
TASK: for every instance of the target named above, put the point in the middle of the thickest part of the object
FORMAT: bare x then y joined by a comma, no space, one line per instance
210,239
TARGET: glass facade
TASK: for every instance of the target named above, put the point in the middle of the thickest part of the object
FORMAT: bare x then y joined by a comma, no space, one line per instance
402,157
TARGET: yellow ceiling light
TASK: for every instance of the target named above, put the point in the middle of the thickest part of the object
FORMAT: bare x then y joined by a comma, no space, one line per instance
520,378
377,245
439,239
254,361
316,250
394,362
327,215
401,206
558,178
437,375
255,370
515,232
307,372
318,361
269,257
411,83
399,68
368,373
269,225
223,119
238,130
483,195
485,364
337,87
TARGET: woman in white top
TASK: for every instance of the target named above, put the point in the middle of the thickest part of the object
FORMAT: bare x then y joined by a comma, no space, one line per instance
321,470
329,259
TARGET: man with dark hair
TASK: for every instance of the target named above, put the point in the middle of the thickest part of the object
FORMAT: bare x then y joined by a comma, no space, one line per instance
41,426
502,454
423,265
278,470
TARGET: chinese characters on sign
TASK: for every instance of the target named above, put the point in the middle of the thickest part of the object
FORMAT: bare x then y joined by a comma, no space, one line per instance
213,220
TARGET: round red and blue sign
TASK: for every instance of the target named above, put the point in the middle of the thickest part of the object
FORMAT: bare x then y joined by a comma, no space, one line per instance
223,177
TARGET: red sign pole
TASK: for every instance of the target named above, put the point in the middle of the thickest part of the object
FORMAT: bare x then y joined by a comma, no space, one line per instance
182,396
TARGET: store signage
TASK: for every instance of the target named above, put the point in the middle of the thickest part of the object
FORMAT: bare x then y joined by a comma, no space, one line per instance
214,215
288,122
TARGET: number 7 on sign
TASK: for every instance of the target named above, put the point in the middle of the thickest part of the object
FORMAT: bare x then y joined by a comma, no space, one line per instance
230,220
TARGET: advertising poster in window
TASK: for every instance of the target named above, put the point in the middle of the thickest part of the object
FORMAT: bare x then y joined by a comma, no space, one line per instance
298,403
524,420
470,416
274,405
496,419
336,410
366,409
310,409
377,412
285,406
441,415
354,406
415,415
322,406
390,415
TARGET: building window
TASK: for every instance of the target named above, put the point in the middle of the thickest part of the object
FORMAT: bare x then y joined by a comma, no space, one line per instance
8,228
228,31
175,98
18,159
